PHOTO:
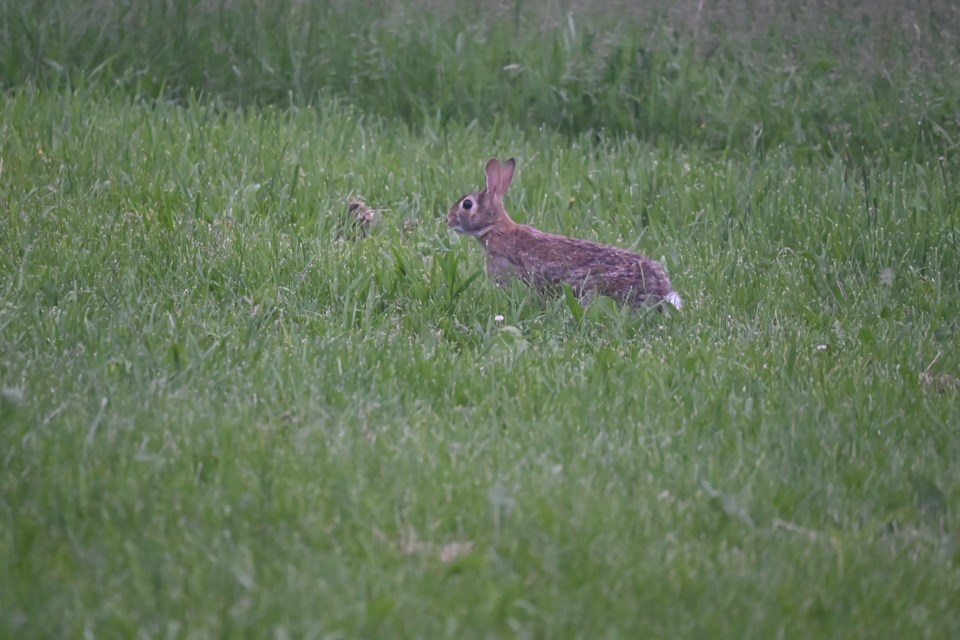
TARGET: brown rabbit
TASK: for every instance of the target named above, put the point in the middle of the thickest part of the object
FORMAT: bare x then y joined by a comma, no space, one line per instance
545,260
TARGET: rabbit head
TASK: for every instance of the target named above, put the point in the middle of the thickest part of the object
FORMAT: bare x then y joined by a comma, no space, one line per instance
476,214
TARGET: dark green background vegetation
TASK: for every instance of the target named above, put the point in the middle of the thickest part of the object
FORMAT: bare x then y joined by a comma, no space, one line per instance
836,77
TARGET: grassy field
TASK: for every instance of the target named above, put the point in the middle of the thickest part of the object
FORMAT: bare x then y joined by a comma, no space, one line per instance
227,413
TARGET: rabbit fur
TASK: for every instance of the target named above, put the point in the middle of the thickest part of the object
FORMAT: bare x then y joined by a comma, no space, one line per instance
545,260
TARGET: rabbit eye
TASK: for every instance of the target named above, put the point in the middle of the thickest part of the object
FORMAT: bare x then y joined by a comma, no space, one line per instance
467,204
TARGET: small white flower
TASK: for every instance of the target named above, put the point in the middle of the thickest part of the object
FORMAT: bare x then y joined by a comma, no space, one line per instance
886,277
498,318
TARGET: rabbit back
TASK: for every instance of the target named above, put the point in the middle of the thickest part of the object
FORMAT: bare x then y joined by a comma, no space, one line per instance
544,261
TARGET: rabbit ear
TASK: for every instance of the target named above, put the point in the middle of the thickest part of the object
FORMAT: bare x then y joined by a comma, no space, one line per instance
493,175
506,174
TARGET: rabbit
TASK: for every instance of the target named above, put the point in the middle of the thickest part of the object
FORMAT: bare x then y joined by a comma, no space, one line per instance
544,261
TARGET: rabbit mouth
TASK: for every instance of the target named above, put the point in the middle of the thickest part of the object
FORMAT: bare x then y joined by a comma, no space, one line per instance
453,221
476,231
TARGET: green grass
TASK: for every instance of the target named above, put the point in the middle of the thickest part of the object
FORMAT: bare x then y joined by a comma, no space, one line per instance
223,414
221,419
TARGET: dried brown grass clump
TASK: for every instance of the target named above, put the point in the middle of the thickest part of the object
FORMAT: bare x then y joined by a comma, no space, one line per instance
363,215
359,219
941,383
410,545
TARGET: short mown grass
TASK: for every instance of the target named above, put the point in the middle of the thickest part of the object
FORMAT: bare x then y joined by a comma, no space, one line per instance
225,412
